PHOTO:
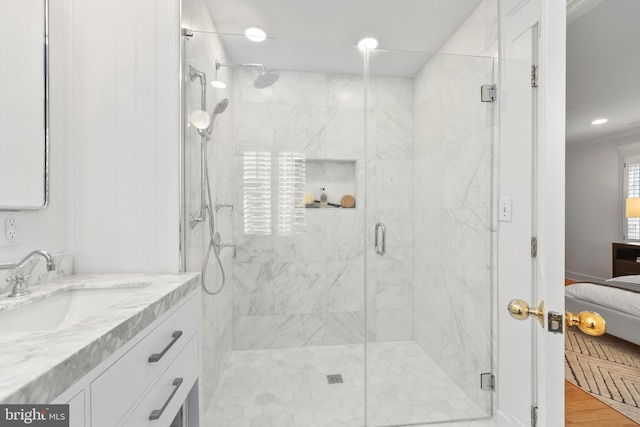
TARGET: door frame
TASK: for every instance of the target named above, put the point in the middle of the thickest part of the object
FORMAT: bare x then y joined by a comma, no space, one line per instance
547,381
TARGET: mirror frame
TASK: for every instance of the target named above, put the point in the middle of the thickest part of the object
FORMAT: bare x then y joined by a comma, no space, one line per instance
45,201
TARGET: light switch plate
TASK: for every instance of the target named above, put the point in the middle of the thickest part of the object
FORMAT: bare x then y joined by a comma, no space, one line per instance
504,209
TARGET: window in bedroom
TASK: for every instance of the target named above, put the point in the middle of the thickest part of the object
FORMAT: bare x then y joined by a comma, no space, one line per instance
632,189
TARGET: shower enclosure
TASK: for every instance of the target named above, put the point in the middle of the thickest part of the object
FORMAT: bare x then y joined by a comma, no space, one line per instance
373,315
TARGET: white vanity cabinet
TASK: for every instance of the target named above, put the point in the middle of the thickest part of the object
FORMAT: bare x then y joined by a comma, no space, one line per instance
154,373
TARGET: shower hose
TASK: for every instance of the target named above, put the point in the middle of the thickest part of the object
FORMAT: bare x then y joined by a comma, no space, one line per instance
213,236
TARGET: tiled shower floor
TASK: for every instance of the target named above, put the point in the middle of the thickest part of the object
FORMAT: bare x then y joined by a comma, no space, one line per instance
289,387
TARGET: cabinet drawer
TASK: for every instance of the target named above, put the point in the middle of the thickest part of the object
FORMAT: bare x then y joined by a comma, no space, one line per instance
165,393
121,385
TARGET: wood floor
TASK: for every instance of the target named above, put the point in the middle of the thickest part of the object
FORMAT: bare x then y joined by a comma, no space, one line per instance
582,409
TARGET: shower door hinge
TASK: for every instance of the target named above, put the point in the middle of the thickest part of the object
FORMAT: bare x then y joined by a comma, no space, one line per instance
187,32
534,416
534,76
487,381
534,247
488,93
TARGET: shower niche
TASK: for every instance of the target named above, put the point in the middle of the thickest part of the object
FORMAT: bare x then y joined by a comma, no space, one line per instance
337,177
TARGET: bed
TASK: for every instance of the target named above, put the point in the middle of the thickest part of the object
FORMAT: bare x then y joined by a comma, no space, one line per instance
617,300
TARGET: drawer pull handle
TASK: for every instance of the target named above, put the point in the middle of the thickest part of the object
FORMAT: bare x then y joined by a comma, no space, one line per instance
157,356
157,413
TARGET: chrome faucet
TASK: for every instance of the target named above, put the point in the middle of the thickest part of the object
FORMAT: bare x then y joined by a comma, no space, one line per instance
19,280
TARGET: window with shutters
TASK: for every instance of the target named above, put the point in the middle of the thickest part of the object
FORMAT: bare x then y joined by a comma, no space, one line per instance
261,186
632,189
256,191
291,185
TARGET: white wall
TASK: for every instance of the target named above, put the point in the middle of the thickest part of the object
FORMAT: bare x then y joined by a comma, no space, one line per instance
126,153
594,210
49,228
114,138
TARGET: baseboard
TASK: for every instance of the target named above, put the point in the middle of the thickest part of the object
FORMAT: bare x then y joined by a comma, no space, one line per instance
582,277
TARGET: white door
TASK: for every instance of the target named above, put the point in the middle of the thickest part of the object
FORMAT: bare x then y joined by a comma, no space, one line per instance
531,185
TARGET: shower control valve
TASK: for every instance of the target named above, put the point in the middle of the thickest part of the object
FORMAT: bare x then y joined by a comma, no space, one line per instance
195,219
219,244
219,206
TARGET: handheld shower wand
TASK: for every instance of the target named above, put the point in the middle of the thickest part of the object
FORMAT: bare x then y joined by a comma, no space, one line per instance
219,109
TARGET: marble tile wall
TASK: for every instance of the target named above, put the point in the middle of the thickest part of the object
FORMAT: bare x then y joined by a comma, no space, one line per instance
201,51
453,213
306,287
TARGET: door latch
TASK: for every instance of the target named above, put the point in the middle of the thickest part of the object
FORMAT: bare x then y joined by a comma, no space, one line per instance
555,322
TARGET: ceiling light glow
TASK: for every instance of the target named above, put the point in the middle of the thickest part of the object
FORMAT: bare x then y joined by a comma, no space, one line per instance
255,34
599,121
218,84
368,43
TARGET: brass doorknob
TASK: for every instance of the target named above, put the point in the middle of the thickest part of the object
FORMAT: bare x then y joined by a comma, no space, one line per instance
589,322
520,310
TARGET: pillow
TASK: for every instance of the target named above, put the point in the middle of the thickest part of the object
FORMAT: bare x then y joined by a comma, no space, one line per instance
630,279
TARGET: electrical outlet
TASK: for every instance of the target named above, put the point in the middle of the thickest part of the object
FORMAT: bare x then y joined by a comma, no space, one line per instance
11,235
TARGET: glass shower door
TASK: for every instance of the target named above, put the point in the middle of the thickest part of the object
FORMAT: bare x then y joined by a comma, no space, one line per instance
409,146
429,180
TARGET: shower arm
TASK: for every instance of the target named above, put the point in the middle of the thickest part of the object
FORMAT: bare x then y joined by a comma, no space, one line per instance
219,64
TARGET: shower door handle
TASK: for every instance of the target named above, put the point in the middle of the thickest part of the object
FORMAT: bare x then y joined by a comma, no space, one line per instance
380,248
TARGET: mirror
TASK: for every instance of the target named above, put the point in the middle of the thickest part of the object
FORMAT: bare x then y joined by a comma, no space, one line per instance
24,108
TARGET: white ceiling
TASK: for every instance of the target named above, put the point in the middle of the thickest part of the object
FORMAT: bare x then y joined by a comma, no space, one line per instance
603,46
603,70
320,36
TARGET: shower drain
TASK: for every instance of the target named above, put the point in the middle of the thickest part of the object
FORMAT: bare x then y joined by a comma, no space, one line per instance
334,379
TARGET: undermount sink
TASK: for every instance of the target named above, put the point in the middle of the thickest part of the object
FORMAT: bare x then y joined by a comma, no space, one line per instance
62,310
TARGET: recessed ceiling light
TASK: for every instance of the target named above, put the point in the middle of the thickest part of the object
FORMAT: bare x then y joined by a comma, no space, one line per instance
218,84
599,121
368,43
255,34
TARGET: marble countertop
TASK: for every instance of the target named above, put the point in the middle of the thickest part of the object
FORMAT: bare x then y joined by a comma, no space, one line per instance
35,367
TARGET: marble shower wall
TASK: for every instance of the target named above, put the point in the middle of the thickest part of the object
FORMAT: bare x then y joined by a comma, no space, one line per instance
299,273
201,51
452,218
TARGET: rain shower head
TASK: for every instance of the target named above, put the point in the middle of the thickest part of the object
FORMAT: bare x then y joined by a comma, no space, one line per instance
265,79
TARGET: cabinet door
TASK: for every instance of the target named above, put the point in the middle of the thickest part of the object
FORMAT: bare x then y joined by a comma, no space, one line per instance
76,411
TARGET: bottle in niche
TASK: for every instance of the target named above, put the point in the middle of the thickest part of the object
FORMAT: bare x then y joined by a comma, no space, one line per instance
323,199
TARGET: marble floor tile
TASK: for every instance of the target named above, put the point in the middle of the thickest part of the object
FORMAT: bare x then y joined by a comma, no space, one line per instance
289,388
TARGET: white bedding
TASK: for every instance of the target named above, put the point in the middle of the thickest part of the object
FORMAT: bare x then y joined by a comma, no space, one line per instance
616,299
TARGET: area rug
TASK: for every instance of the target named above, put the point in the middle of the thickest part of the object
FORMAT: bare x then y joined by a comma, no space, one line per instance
606,367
